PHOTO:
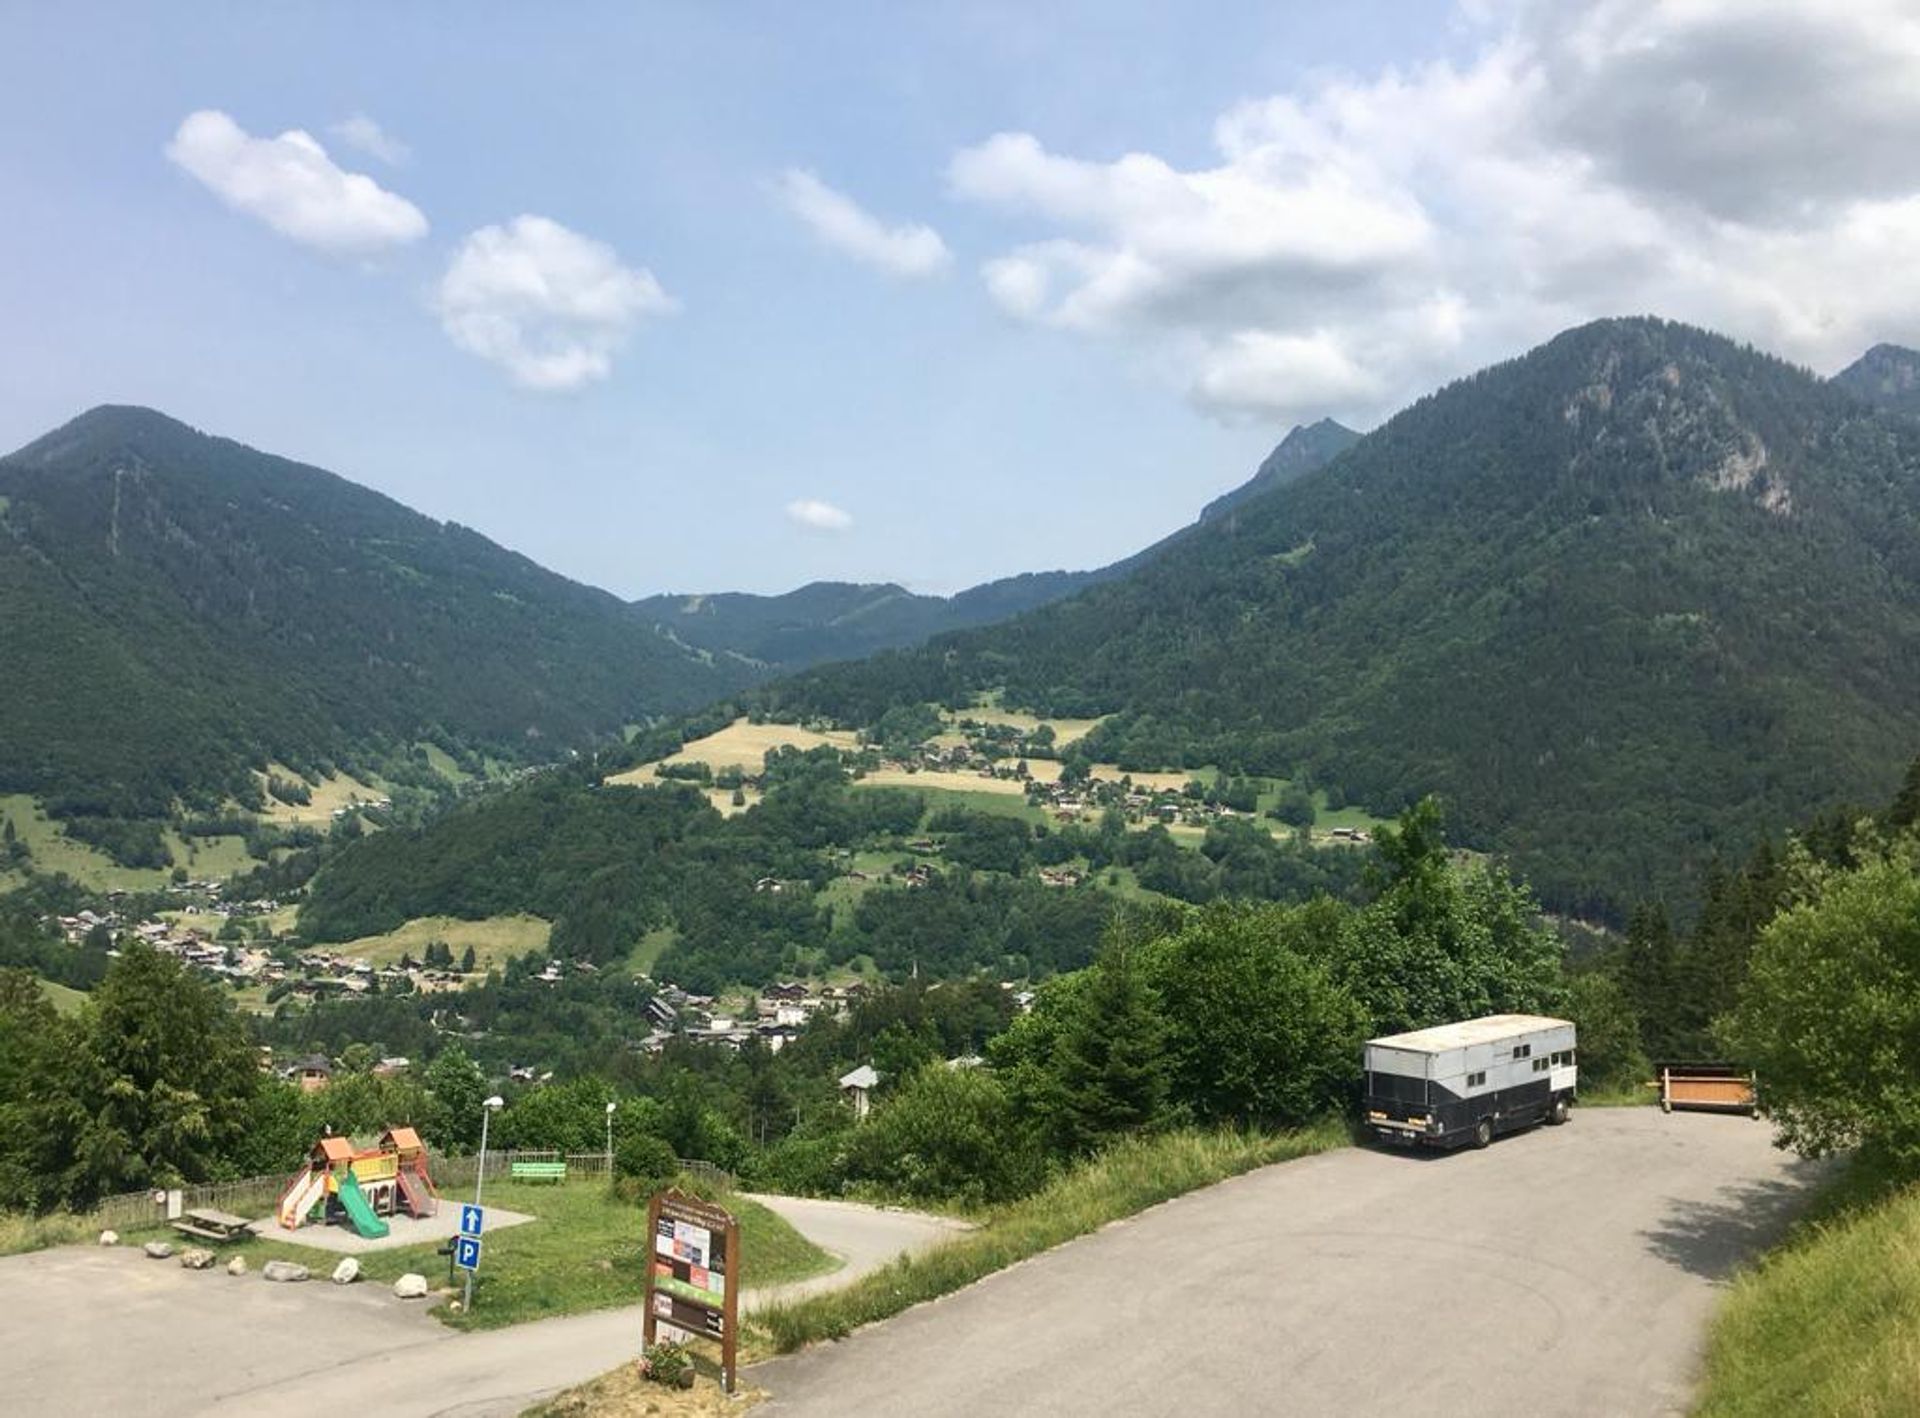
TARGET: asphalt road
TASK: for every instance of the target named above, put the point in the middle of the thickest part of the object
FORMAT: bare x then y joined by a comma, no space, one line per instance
87,1330
1564,1271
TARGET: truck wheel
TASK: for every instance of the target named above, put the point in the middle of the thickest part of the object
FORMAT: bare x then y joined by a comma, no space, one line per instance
1483,1133
1558,1113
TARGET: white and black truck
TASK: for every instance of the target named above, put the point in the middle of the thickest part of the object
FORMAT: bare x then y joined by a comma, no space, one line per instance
1465,1083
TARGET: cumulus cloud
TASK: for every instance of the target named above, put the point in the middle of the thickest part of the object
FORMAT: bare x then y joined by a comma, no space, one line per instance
842,223
291,184
550,306
817,516
363,133
1745,164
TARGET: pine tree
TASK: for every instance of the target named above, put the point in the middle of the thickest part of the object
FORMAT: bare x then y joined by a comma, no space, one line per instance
1111,1065
1905,812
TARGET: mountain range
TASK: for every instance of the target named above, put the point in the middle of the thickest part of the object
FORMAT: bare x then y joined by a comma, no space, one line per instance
837,620
1625,603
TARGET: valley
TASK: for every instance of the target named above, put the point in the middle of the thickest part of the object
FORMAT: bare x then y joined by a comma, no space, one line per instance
1507,706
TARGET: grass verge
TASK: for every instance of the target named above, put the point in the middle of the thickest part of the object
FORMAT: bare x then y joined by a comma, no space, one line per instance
21,1233
584,1252
1127,1178
1849,1274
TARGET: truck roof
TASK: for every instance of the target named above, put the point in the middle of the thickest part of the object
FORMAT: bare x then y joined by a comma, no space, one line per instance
1442,1037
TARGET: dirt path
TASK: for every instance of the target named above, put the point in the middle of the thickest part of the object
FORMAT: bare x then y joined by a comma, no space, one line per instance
1567,1271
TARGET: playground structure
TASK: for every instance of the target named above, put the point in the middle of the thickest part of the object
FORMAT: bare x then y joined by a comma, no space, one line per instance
361,1187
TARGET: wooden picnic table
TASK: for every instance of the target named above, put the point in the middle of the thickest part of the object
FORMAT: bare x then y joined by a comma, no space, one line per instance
214,1225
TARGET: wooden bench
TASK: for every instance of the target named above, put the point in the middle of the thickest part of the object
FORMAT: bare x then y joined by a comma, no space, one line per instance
216,1226
539,1171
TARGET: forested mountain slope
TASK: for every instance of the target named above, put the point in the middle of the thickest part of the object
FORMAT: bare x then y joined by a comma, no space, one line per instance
179,608
1626,602
1887,376
837,620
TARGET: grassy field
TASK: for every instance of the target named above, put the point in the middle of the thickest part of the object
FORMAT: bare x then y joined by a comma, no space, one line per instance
54,851
586,1251
1129,1177
1829,1322
493,940
742,745
1065,731
64,999
329,793
647,953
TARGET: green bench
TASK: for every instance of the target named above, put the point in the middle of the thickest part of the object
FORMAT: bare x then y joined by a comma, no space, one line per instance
539,1171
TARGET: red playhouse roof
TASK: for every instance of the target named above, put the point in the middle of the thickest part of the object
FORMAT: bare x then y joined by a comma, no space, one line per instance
335,1149
406,1139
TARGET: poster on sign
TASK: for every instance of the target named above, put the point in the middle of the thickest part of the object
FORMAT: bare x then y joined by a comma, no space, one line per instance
693,1274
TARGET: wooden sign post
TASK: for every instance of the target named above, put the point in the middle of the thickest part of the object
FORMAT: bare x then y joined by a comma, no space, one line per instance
693,1274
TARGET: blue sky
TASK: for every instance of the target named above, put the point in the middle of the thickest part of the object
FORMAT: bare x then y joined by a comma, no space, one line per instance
918,293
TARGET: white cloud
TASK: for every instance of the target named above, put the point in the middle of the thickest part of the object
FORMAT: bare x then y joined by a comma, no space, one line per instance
291,184
549,305
817,516
842,223
363,133
1745,164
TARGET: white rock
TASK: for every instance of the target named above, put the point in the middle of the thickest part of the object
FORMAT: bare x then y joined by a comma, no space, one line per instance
346,1272
283,1270
197,1258
237,1266
109,1238
411,1287
159,1250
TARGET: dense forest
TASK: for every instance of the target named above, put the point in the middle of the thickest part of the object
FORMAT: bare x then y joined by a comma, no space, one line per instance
1636,599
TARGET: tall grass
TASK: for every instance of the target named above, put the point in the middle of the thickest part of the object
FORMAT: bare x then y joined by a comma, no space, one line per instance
1129,1177
1829,1323
20,1232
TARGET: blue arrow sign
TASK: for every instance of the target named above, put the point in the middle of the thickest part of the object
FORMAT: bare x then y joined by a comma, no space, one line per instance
466,1252
471,1218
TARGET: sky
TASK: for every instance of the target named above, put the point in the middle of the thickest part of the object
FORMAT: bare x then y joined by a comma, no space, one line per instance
722,296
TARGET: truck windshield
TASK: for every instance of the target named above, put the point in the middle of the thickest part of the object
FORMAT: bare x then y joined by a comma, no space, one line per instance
1396,1088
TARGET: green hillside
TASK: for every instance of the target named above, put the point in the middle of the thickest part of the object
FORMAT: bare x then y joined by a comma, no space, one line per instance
181,609
1629,601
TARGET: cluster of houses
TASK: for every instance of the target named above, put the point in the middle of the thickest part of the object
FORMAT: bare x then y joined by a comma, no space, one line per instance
779,1014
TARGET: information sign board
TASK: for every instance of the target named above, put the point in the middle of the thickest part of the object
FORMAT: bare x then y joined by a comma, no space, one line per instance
693,1275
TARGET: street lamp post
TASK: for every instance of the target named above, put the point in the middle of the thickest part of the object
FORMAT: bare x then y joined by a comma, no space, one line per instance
487,1110
611,1105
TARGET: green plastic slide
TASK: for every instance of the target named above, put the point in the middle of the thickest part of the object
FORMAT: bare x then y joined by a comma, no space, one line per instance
358,1211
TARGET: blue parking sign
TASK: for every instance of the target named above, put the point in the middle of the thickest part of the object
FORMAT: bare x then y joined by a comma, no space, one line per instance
466,1252
471,1218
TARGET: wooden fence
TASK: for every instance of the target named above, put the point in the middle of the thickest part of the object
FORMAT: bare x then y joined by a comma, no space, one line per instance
257,1196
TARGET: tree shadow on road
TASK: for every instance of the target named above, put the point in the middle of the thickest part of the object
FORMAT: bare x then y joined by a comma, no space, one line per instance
1714,1238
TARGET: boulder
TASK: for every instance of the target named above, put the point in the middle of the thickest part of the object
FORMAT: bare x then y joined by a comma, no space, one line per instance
237,1266
197,1258
109,1238
284,1270
158,1250
411,1287
346,1272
